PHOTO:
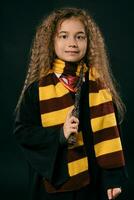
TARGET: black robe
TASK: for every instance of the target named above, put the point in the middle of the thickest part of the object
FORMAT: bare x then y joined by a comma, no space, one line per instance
45,150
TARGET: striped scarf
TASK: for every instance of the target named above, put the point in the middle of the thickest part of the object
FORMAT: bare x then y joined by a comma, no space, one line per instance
55,102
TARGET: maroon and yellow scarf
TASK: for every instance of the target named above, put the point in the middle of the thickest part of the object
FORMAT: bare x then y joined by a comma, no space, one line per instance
55,102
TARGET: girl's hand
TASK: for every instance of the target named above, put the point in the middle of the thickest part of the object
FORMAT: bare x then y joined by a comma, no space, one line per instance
70,125
113,193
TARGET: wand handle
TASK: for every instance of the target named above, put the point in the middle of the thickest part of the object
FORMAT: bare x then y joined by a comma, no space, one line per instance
75,111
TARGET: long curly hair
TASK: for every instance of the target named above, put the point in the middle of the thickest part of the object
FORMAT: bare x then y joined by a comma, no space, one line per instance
42,52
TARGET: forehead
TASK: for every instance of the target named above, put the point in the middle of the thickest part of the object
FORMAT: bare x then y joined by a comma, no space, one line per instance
71,24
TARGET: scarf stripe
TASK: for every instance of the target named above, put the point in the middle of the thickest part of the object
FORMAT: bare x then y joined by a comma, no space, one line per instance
103,122
94,86
96,111
108,146
78,166
55,118
50,79
102,96
105,134
63,102
112,158
73,156
52,91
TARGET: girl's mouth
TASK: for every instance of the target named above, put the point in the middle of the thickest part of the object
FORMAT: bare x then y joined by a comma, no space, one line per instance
72,52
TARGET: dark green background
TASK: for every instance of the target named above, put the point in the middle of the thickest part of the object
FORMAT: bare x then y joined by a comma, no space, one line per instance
19,20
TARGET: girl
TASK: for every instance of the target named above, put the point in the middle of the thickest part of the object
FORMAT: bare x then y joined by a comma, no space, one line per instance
65,118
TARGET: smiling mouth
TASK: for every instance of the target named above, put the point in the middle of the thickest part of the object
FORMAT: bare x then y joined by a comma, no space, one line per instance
72,52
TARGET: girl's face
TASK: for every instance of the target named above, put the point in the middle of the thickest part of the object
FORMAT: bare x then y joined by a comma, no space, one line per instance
70,42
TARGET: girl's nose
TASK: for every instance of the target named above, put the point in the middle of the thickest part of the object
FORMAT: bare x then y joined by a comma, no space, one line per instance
72,45
72,42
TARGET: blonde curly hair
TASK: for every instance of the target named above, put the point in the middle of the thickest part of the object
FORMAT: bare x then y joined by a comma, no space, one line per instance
43,55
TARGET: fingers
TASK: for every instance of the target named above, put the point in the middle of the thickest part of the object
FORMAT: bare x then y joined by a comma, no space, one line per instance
116,192
109,193
113,193
71,124
74,129
73,119
74,125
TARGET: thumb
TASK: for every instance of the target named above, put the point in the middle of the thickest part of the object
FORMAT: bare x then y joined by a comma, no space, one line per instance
69,114
109,194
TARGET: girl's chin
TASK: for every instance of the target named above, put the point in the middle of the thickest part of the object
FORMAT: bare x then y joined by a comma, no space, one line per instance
70,59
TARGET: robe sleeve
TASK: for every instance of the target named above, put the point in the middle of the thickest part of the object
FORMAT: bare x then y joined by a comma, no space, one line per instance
117,177
41,146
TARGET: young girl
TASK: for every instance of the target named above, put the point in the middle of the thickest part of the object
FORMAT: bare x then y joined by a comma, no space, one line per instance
65,121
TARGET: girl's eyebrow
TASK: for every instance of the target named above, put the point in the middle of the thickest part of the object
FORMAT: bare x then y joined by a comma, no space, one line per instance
79,32
63,32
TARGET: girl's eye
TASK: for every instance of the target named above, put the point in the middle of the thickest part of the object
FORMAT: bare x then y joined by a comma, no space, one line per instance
63,36
80,37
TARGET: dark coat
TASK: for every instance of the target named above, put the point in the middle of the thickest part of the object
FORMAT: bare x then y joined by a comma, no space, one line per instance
46,155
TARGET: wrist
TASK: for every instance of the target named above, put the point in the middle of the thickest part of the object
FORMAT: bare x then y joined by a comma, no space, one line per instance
63,139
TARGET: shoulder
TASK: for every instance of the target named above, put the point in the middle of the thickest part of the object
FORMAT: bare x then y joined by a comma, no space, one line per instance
32,87
31,93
